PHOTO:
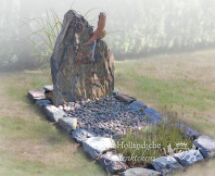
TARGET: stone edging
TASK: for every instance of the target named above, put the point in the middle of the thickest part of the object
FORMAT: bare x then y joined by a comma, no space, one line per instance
103,150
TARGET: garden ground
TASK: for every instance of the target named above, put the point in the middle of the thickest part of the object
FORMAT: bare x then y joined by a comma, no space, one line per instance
29,145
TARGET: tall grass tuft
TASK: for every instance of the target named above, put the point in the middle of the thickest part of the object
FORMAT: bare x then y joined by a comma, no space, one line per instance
140,147
44,38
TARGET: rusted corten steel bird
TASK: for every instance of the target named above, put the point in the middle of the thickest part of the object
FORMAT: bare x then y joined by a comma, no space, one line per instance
99,33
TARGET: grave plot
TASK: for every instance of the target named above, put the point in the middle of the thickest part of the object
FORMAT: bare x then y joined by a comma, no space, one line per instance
115,129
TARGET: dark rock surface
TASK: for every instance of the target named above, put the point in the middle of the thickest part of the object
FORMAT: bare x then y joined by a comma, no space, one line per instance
124,97
37,94
188,158
53,113
187,131
48,90
68,124
206,145
138,171
166,164
81,135
113,163
80,69
96,146
43,103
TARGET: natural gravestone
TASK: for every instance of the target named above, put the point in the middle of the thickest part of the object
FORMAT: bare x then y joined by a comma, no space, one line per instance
82,66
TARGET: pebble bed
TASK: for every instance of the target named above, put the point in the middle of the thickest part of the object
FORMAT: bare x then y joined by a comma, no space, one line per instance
106,117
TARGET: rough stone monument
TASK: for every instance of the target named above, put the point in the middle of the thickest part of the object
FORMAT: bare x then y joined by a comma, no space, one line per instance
82,66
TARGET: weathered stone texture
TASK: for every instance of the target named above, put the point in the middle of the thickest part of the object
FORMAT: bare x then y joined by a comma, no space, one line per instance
188,158
138,171
112,162
81,135
53,113
166,164
80,70
96,146
35,95
206,145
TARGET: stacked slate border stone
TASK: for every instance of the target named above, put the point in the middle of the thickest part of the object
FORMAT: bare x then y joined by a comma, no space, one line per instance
102,148
82,102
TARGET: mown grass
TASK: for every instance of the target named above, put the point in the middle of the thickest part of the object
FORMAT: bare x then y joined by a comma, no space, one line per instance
29,145
184,84
180,92
14,166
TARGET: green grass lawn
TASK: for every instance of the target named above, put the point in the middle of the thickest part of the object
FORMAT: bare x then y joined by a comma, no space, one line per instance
29,145
180,83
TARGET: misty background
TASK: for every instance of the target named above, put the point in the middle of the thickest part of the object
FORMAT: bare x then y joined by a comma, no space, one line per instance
135,29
